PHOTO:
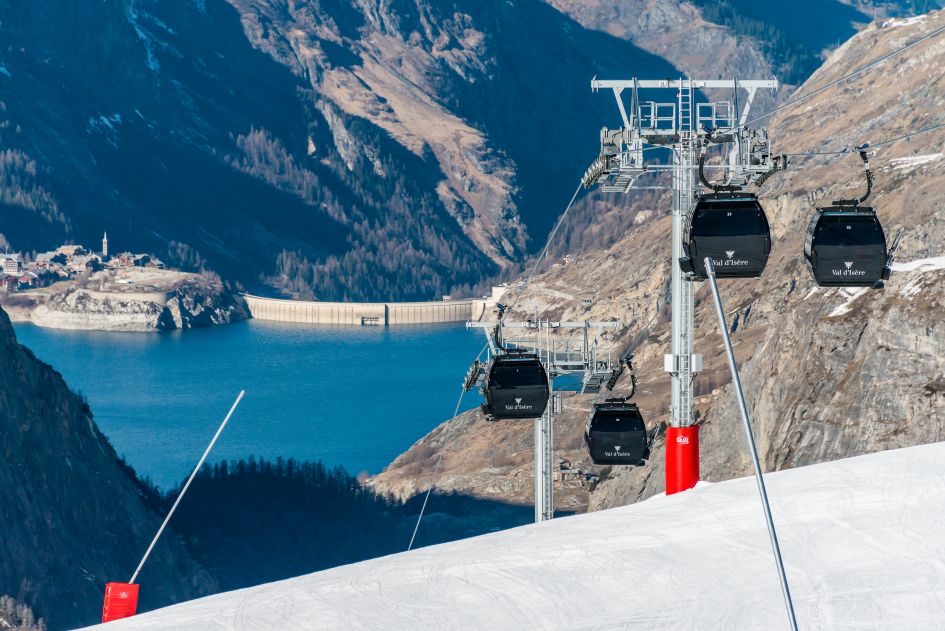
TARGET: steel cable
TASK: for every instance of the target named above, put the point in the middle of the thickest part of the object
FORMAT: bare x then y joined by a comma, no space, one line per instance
868,146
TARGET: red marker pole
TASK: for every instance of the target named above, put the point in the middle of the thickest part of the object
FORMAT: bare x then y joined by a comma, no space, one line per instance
121,599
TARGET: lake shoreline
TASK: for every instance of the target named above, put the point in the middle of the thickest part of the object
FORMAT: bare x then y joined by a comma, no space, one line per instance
135,299
346,395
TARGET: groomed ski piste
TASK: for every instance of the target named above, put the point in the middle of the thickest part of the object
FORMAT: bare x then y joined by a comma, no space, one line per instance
863,541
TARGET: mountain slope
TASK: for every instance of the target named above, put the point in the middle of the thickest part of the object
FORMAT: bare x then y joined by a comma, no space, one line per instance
368,150
347,151
834,373
857,537
72,516
828,373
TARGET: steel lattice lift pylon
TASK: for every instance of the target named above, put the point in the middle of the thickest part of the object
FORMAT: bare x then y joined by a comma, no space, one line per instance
593,364
685,128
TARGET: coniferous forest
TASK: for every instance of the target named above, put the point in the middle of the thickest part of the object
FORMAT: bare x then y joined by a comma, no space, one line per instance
254,521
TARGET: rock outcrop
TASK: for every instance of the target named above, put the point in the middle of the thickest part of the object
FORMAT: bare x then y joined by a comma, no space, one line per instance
72,515
491,461
169,300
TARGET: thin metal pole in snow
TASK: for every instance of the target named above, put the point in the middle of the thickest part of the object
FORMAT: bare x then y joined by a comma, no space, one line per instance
187,485
788,603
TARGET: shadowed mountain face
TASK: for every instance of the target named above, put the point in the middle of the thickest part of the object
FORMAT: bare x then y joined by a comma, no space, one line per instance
72,516
342,150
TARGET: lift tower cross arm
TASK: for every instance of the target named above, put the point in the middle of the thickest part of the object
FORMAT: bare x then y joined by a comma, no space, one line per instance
614,84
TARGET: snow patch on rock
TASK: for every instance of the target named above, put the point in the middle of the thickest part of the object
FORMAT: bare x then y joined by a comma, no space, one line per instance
904,21
911,162
851,294
912,288
921,265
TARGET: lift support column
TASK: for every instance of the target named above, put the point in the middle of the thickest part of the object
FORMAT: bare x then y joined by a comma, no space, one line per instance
682,435
681,128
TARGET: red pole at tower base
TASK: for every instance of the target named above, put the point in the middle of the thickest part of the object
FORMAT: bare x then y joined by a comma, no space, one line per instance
682,458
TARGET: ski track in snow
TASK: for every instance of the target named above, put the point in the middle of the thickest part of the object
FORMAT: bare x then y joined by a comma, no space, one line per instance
861,538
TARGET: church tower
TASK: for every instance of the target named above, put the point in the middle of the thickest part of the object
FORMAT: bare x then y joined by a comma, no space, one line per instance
105,245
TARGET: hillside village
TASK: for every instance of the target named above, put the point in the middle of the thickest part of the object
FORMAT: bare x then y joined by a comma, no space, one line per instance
73,287
20,271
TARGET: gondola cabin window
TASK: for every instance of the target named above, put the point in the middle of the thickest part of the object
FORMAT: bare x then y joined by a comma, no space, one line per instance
517,376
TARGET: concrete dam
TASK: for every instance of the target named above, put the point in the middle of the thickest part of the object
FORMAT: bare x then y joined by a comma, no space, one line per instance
370,313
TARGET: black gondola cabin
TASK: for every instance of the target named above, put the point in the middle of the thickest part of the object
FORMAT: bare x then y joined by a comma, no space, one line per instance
616,434
732,229
846,247
517,387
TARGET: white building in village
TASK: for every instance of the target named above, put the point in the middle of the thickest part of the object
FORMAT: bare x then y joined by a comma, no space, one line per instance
11,263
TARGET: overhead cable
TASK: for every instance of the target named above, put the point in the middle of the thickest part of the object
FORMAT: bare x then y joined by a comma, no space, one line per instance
867,146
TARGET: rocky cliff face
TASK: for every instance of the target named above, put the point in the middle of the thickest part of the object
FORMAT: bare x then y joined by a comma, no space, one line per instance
83,309
72,515
491,461
828,373
202,302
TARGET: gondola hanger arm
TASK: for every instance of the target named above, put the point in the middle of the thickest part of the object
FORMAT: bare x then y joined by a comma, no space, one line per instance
717,188
869,172
856,201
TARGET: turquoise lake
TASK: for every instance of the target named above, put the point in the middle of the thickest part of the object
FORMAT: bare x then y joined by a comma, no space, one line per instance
354,396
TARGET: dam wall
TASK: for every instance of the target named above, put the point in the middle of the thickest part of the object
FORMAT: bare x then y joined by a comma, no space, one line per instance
366,313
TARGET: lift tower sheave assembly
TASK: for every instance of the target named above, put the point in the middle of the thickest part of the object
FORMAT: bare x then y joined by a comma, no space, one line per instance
684,127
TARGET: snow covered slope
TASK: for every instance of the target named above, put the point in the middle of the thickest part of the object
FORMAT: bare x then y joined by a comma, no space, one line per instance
862,540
